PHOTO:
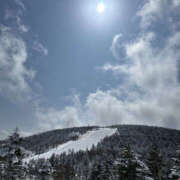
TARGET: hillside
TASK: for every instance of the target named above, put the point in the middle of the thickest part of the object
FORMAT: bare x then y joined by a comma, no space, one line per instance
94,153
83,143
41,142
139,137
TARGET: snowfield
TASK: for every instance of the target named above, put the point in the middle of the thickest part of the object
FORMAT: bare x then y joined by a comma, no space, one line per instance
86,141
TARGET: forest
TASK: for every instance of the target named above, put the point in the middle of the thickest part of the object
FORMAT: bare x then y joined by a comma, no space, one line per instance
132,153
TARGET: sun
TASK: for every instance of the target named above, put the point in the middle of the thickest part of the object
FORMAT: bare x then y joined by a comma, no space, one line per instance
100,7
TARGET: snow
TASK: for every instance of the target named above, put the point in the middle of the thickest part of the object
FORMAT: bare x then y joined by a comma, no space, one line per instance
84,142
148,178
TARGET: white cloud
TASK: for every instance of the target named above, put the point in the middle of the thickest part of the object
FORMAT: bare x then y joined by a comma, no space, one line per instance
116,46
151,10
116,69
52,118
176,3
156,10
105,109
17,83
140,47
153,67
16,16
150,96
37,46
151,93
21,27
14,75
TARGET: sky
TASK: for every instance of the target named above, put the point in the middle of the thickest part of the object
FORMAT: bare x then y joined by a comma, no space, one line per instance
65,63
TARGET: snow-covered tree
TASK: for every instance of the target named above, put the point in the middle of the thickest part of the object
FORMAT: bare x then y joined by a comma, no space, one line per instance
155,162
130,167
127,164
12,154
175,171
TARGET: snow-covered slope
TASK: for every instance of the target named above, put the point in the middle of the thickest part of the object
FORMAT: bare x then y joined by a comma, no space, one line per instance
86,141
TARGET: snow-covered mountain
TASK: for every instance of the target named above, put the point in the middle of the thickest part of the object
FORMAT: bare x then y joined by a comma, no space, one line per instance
94,153
84,142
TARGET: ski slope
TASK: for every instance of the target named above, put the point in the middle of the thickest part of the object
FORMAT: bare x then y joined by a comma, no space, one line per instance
85,142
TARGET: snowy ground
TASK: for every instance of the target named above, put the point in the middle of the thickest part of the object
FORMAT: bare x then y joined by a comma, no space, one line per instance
86,141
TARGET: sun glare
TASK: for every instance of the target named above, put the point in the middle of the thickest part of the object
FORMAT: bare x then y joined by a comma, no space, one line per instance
100,7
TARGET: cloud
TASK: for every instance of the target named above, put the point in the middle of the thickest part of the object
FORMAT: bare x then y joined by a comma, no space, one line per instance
37,46
5,133
103,108
151,11
150,94
154,67
176,3
14,17
116,69
116,46
14,75
20,4
17,75
156,10
21,27
53,118
155,72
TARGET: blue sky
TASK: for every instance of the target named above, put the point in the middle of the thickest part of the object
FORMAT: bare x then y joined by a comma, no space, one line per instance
64,64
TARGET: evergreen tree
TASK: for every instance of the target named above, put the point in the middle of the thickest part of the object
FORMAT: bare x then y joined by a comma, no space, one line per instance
127,165
175,171
64,172
106,170
96,172
44,169
155,162
142,170
14,153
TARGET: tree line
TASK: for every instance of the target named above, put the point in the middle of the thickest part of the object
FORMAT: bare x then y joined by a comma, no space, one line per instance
112,159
